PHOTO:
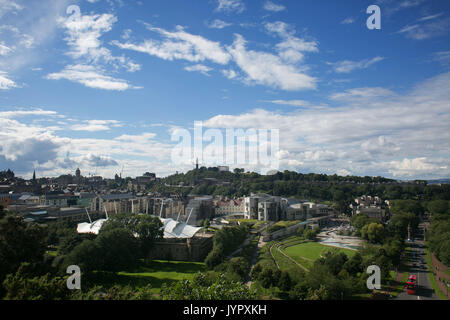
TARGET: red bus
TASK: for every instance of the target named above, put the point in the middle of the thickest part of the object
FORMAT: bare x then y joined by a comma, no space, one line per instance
411,284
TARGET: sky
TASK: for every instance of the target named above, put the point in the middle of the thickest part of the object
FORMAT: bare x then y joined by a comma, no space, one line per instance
109,86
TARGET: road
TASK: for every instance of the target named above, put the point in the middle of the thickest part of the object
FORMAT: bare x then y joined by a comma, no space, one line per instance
418,266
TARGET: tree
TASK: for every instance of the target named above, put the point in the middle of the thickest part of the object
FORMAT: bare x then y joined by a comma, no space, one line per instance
335,261
221,289
214,258
374,232
225,241
398,224
119,249
86,255
19,242
438,207
354,264
25,286
112,250
147,229
238,266
310,234
403,206
114,293
285,282
266,277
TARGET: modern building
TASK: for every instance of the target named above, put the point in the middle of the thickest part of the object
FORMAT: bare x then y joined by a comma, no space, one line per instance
373,207
265,207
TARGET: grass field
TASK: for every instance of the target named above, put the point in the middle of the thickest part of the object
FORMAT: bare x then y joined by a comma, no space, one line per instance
156,273
307,253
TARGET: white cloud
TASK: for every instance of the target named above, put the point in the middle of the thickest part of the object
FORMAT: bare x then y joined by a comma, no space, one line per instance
28,146
199,68
268,69
84,40
348,66
230,74
4,50
294,103
230,6
358,95
348,20
95,125
126,34
29,35
91,77
270,6
218,24
86,48
7,6
291,48
366,135
23,113
426,28
411,167
431,17
279,70
5,82
180,45
442,56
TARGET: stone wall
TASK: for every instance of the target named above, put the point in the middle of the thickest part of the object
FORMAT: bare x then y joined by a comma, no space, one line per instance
194,249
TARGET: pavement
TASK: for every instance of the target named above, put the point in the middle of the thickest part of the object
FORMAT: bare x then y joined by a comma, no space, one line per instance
418,266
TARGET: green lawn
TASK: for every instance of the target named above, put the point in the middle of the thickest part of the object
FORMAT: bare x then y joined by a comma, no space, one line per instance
311,251
157,273
282,224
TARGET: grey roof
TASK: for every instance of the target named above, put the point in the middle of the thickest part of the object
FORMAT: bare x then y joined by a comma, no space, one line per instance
118,196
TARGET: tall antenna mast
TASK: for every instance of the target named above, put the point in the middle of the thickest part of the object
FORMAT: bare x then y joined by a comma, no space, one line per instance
189,215
162,205
90,221
106,211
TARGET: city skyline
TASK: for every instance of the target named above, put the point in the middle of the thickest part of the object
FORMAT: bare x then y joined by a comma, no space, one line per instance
105,90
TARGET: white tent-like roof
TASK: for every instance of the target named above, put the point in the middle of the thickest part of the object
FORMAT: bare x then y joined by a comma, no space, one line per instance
93,227
177,229
172,228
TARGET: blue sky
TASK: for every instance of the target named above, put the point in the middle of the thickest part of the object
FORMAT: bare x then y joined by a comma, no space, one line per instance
106,89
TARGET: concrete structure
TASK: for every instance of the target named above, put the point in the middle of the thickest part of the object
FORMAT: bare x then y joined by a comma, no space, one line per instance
264,207
59,200
197,209
193,249
115,203
225,207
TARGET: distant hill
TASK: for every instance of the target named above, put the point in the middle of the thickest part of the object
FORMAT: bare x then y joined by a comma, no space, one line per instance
439,181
